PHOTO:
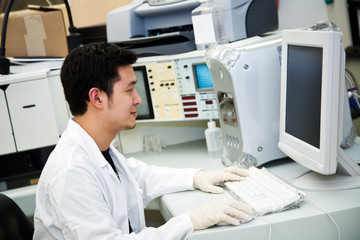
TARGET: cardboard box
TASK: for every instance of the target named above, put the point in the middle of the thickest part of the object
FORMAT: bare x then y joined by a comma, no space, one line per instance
35,33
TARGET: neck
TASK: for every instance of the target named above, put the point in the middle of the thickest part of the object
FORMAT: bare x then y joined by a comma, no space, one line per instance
96,130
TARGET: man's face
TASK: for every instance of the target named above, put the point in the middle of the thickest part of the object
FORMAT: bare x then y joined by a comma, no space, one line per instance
122,106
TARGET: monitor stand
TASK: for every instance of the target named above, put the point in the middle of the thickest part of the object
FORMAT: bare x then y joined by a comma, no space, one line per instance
347,175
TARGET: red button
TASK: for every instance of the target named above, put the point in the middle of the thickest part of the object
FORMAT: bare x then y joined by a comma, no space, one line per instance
189,103
191,115
188,97
190,109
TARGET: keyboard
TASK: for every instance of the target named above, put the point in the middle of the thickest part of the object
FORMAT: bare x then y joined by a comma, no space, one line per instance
265,192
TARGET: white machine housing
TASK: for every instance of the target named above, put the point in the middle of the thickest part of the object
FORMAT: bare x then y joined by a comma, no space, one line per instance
243,18
137,18
247,85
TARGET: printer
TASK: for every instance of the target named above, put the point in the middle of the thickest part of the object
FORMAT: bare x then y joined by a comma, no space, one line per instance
246,76
165,26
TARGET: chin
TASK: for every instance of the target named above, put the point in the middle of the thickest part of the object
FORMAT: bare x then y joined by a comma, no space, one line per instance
130,126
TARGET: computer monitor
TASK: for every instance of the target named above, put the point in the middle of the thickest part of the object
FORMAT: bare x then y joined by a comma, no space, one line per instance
312,109
145,109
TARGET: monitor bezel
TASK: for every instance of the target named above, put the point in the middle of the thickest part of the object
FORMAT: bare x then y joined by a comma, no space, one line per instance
150,115
323,159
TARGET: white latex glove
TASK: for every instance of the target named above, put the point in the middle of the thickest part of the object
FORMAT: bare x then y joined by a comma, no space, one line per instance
206,181
220,210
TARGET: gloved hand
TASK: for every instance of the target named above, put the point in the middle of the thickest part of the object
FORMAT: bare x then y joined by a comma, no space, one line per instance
220,210
206,181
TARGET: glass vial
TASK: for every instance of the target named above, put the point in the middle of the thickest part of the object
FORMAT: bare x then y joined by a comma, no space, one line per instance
208,24
213,139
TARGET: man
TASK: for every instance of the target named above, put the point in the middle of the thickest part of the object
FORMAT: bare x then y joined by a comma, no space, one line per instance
88,190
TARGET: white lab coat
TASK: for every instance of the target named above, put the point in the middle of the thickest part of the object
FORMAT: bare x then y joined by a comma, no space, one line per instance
79,196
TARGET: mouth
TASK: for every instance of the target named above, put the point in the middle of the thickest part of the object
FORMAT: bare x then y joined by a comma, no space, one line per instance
134,114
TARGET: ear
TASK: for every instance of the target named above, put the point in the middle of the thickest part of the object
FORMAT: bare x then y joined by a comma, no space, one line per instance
96,97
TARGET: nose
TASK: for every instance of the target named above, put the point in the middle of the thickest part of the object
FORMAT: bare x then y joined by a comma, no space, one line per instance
137,98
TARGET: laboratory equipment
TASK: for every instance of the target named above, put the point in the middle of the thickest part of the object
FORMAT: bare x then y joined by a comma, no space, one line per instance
313,106
152,144
28,112
175,87
165,27
246,79
265,192
208,24
21,169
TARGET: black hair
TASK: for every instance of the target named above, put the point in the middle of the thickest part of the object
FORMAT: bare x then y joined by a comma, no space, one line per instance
92,65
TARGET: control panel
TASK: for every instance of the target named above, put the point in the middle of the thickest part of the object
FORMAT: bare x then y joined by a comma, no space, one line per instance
176,87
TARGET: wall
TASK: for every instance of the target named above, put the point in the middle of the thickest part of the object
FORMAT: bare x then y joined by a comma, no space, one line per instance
303,14
93,12
300,14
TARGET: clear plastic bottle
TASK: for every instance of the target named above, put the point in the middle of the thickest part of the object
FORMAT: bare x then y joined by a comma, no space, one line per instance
208,24
213,138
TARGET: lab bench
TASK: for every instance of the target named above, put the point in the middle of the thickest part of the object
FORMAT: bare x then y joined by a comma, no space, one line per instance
309,221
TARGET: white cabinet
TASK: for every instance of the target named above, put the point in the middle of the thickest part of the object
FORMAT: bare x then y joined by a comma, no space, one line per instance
7,144
32,114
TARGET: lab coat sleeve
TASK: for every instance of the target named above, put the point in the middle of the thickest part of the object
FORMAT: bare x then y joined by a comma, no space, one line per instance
86,216
156,181
177,228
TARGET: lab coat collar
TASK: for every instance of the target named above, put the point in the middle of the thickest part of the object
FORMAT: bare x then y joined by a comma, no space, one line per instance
75,131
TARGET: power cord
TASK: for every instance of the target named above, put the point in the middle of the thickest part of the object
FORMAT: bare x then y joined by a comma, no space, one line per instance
328,214
353,93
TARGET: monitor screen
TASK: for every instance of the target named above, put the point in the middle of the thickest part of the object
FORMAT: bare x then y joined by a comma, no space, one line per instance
145,109
303,93
202,76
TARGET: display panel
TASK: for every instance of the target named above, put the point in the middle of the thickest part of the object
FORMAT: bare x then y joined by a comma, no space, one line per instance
202,77
145,109
303,93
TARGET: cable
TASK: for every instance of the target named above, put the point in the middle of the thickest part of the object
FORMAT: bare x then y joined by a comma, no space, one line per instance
5,62
354,80
356,97
353,93
74,39
295,178
4,27
328,214
324,25
71,24
270,227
